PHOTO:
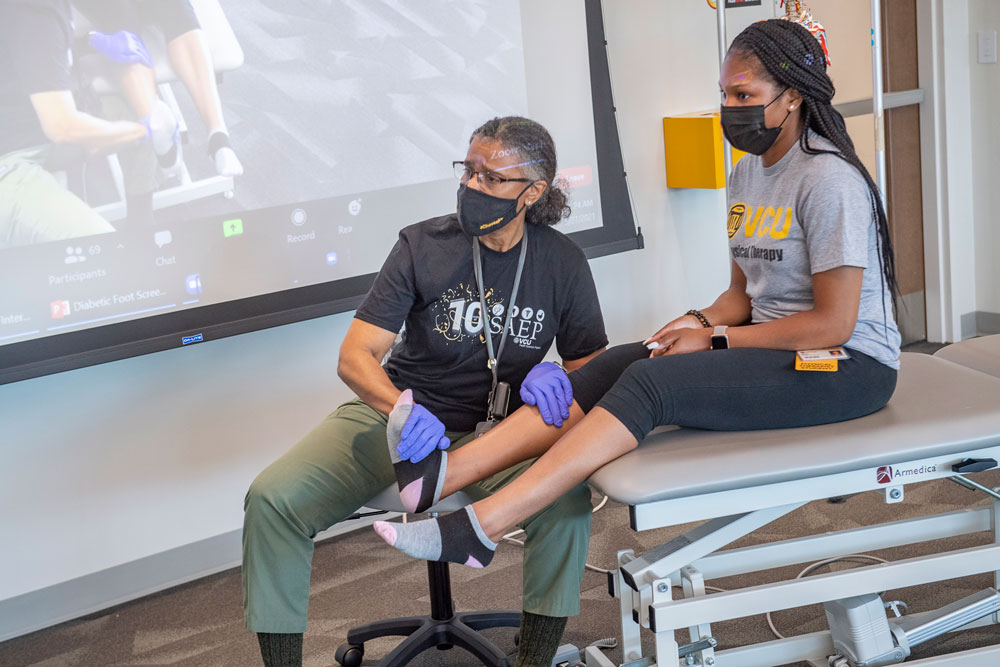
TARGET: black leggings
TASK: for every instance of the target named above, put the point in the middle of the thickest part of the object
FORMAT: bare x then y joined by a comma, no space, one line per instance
728,390
172,17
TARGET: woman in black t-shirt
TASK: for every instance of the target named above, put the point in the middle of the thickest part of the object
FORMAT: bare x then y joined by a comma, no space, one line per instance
507,202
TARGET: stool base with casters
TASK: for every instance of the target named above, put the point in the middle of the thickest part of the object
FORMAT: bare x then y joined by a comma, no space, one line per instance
442,628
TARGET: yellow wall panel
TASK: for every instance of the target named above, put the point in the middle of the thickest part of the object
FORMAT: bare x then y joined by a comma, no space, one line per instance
692,145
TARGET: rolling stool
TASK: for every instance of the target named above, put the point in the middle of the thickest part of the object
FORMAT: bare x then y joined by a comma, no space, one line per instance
442,628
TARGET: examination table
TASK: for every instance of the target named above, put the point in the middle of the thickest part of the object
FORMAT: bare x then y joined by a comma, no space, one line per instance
942,422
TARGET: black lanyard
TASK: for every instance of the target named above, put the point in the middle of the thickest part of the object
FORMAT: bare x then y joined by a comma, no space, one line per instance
494,359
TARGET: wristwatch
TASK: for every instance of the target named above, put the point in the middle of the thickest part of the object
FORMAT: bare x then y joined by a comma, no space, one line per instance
720,341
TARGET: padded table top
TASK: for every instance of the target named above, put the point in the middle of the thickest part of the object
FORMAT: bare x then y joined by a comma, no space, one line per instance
938,408
982,354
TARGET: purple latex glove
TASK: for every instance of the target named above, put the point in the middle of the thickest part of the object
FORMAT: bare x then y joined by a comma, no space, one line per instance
122,46
547,387
422,433
162,128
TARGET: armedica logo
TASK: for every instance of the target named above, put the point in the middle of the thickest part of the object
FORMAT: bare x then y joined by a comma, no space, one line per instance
886,474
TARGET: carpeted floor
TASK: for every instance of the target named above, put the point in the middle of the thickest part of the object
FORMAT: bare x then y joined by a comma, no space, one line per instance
356,578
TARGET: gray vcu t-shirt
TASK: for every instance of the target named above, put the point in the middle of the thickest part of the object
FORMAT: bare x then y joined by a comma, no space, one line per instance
804,215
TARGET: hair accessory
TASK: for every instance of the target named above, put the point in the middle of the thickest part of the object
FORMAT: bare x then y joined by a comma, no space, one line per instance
797,12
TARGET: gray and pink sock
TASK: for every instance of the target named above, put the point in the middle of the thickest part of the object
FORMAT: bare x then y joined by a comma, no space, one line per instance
456,538
419,483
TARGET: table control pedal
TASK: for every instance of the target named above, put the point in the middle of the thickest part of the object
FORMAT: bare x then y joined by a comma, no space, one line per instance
966,466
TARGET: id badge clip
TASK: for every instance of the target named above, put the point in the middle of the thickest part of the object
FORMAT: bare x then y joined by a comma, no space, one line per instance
498,403
499,400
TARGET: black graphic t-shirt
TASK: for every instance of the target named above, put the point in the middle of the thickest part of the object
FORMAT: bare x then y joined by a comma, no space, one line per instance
428,283
35,57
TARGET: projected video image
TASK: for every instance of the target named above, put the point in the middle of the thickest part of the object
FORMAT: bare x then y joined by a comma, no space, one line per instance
226,149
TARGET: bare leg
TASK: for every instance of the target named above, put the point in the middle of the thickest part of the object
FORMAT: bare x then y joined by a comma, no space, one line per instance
138,85
192,61
470,536
521,436
597,439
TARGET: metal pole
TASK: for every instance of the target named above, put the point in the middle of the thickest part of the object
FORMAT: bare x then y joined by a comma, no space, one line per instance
876,9
720,21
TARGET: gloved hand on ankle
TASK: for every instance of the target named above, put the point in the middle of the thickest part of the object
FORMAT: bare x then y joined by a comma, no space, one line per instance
422,433
162,127
122,46
165,136
547,387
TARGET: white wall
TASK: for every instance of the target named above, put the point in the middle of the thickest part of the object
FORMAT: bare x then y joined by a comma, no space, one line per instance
985,106
104,465
848,25
946,149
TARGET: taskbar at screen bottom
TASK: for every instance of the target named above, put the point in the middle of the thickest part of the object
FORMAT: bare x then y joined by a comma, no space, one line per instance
174,329
59,287
64,286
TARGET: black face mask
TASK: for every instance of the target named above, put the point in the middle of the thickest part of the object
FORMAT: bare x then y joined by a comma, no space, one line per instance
746,129
480,213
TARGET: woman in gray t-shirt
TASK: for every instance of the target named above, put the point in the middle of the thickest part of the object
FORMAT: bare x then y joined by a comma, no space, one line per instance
812,268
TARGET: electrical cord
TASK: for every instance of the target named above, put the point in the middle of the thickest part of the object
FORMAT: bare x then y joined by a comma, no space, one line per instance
864,558
600,505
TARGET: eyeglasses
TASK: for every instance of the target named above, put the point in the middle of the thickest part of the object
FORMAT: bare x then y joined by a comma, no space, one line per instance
488,180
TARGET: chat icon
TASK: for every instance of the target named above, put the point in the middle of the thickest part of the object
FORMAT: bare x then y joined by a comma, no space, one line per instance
162,238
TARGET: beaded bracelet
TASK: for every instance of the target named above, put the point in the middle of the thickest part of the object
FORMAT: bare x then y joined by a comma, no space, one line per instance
701,318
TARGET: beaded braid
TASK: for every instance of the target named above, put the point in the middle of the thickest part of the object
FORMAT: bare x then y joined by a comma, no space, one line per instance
794,59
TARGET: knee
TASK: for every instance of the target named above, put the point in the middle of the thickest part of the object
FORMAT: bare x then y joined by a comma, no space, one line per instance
591,381
258,494
641,382
270,493
639,371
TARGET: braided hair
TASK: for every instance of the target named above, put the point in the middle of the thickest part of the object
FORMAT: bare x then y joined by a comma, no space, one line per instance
793,58
532,141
